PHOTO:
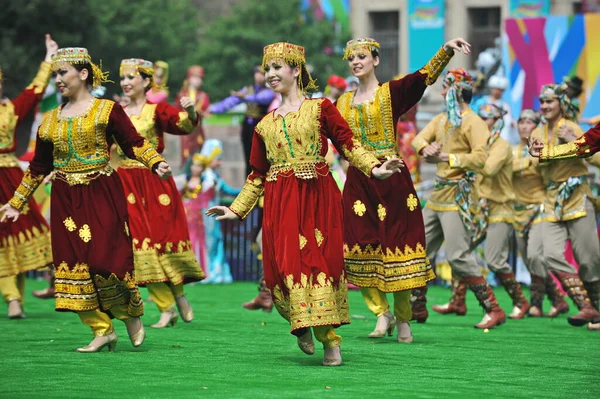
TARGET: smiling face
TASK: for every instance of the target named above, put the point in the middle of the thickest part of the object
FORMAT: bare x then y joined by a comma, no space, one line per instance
280,76
550,108
69,81
362,63
133,83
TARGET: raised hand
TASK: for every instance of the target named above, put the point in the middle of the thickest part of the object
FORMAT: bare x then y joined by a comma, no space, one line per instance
164,170
459,44
222,213
51,48
8,214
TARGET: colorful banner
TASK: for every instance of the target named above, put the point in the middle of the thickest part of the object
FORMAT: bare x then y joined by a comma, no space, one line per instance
338,10
529,8
425,31
540,51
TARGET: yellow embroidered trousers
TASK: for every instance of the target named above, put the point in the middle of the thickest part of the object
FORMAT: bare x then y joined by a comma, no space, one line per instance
100,322
13,288
327,336
164,295
378,304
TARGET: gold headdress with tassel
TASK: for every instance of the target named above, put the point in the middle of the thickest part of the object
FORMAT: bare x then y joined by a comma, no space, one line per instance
203,160
291,54
137,65
79,55
361,44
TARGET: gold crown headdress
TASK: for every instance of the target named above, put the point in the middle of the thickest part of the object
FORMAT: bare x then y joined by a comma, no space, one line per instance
137,65
291,54
204,160
360,44
79,55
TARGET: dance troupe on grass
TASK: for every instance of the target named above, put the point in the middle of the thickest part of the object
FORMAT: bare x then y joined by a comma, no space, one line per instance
114,230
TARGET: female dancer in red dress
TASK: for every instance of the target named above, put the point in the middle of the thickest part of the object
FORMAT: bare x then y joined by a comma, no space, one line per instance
24,244
384,234
163,256
302,223
91,245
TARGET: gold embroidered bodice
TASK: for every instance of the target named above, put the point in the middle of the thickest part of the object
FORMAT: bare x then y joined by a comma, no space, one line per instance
79,142
372,121
293,142
145,124
8,123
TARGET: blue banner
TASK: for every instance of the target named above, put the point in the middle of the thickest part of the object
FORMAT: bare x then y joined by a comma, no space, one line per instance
529,8
426,21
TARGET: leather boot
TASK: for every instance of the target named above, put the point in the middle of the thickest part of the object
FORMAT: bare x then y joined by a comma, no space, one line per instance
457,302
494,315
538,292
559,305
513,288
593,290
418,302
579,295
263,301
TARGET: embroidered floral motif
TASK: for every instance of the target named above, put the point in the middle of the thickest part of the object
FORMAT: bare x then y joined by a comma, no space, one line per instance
85,233
303,241
131,198
381,212
164,199
319,237
359,208
412,202
70,224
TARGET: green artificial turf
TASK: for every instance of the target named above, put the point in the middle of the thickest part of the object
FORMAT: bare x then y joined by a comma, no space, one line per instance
229,352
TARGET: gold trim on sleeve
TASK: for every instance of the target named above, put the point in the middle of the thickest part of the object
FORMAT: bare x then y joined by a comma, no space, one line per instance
25,190
40,82
436,65
248,197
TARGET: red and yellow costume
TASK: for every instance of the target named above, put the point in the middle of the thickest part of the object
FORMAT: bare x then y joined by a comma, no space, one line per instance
192,143
302,222
91,243
157,221
384,236
24,244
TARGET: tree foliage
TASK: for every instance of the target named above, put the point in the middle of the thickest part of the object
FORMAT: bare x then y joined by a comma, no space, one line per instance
228,46
232,45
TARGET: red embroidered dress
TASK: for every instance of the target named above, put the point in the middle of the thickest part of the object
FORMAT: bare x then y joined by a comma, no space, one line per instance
384,235
24,244
157,220
302,224
91,245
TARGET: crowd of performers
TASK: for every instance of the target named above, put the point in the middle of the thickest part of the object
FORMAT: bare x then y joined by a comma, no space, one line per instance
114,230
